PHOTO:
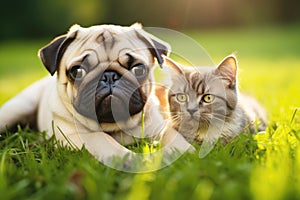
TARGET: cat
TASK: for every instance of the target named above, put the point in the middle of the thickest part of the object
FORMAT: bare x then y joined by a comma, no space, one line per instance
204,102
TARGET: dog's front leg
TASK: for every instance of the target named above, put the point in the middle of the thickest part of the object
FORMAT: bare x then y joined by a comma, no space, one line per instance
105,148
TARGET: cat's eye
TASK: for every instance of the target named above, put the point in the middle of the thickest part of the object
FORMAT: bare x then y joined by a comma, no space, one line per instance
208,98
182,97
76,73
139,70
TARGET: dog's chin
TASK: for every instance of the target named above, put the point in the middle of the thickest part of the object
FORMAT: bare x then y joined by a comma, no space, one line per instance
129,124
110,109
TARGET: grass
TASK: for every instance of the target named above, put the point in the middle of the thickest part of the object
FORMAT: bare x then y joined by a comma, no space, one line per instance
265,166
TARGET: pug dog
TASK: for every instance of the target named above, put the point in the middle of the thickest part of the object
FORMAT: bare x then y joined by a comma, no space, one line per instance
100,93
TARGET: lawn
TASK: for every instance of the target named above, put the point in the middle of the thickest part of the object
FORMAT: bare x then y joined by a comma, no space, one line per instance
264,166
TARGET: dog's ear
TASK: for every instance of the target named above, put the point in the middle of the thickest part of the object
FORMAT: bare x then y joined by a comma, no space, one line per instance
52,53
157,47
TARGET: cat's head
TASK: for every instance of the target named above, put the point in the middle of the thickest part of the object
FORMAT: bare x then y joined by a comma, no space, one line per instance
201,96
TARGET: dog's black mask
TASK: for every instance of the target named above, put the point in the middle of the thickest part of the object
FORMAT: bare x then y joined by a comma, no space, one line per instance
114,97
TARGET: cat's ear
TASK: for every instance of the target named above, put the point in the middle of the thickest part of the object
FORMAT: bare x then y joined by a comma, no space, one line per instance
228,69
173,65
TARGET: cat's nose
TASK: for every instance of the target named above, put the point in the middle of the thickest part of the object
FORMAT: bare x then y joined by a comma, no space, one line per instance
191,111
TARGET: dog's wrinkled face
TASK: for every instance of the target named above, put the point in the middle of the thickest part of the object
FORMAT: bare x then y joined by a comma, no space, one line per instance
105,71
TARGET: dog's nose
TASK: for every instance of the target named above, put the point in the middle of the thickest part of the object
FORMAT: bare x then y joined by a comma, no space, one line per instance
110,77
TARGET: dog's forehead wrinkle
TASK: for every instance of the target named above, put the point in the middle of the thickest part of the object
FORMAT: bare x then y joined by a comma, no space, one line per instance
90,62
130,59
99,39
106,39
127,57
107,35
75,61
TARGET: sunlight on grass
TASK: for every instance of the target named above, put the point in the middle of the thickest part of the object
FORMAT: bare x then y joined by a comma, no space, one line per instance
11,85
274,84
272,173
140,187
204,190
20,66
280,145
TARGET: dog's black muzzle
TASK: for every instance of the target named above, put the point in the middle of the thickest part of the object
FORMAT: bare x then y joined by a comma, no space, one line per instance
114,98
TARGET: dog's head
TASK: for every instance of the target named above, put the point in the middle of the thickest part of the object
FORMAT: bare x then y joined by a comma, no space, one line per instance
105,71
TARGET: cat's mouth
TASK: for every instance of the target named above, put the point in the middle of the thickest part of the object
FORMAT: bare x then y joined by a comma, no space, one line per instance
193,117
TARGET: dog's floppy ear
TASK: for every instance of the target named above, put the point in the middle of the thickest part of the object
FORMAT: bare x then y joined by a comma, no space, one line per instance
52,53
157,46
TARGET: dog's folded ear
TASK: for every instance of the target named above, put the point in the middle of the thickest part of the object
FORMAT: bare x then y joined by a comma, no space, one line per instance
157,47
52,53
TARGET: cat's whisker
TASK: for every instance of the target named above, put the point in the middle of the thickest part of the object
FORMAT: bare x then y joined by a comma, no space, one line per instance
221,116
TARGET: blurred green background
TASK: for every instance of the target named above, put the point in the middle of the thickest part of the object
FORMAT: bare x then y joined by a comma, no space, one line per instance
40,19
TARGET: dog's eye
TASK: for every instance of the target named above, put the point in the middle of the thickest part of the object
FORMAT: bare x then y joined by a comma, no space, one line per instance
139,70
76,73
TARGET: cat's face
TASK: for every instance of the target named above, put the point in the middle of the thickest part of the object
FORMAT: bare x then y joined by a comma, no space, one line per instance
202,96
